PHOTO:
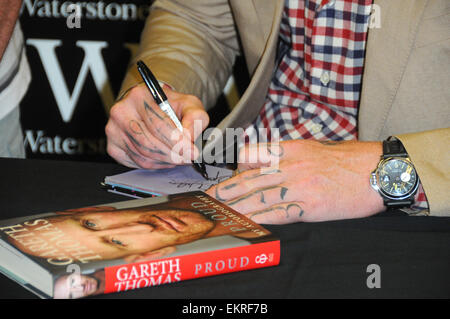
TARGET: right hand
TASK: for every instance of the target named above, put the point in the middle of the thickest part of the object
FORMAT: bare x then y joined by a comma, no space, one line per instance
140,135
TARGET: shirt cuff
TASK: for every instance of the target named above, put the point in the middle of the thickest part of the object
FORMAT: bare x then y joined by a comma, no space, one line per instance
420,206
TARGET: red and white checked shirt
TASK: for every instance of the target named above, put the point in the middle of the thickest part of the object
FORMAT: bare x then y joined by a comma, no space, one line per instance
315,90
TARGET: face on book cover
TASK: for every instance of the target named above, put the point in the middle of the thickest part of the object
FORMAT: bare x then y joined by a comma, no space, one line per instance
77,286
131,234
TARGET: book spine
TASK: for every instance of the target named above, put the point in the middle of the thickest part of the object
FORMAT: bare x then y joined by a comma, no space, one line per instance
179,268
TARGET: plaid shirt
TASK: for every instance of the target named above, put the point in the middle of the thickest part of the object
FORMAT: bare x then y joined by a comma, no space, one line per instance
315,90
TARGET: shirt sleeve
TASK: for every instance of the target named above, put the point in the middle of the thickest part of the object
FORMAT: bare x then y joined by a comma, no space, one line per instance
190,45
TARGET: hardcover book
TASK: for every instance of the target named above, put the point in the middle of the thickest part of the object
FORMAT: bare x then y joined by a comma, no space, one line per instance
132,244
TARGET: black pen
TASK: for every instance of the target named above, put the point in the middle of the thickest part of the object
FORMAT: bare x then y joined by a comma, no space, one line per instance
161,99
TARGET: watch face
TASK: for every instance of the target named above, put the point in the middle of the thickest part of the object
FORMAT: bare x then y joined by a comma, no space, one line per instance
397,177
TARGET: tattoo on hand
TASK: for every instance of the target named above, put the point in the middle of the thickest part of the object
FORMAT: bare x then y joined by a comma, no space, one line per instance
262,198
259,191
151,110
283,192
165,118
137,144
290,210
131,163
295,209
230,186
269,172
330,143
136,128
132,154
162,163
273,151
218,197
263,173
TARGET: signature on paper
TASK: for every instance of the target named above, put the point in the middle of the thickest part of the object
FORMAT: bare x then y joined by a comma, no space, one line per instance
198,185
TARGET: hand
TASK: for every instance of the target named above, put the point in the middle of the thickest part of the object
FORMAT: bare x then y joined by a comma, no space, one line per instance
311,181
140,135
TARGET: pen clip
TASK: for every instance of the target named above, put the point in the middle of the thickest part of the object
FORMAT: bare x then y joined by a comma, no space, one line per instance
150,80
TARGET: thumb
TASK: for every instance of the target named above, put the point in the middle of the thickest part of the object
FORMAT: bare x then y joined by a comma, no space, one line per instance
194,120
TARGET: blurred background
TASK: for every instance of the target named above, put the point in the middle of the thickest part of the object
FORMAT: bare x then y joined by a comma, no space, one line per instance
77,73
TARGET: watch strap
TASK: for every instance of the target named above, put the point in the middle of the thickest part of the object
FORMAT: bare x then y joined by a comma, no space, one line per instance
395,204
392,147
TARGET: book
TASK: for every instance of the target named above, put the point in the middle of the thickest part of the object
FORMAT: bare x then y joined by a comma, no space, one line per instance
131,244
139,183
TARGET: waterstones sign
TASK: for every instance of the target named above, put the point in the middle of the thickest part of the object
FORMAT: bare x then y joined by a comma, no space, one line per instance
76,73
101,10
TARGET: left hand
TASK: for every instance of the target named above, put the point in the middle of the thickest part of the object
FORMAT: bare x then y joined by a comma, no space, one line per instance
140,135
311,181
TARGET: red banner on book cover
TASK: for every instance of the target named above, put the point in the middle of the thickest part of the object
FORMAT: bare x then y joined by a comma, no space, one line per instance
168,270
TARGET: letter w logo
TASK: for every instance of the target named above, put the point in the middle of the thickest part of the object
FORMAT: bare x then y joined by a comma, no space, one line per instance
92,61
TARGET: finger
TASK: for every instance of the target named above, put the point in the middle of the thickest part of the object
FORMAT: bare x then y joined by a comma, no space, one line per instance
164,129
157,122
149,146
194,120
125,152
130,158
113,145
260,155
142,161
284,213
120,156
260,199
246,182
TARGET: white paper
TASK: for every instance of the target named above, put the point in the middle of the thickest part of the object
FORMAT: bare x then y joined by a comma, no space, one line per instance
175,180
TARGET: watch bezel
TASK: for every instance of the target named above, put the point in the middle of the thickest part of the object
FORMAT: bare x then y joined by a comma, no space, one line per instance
374,179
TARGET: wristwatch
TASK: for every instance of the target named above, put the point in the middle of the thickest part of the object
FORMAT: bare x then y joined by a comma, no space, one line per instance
395,177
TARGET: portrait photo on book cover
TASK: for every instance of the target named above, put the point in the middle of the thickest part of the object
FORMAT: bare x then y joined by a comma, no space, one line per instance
101,236
76,285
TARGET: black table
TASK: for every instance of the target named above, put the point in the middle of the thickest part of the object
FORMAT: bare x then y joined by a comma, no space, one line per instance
318,260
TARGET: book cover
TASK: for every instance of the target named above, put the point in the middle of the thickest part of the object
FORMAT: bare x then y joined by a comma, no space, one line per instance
132,244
